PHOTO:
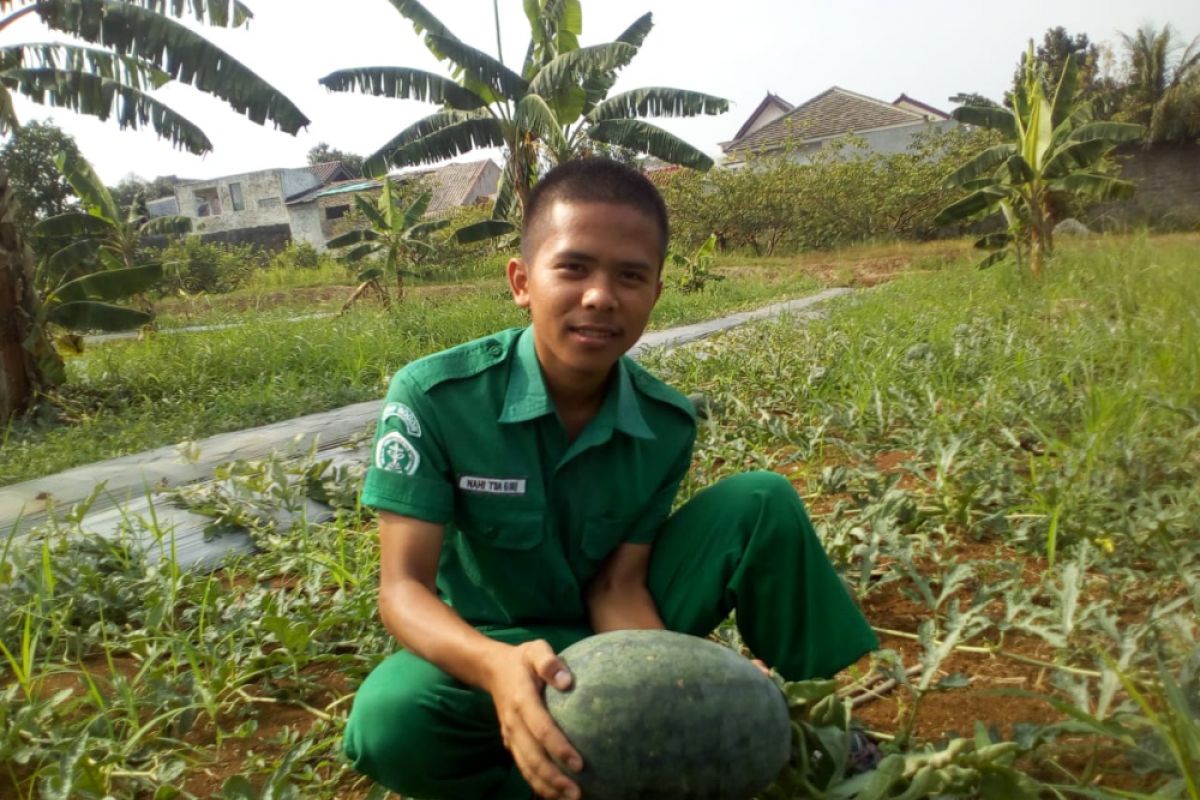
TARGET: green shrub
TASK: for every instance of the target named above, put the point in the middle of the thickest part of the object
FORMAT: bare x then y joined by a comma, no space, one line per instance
193,266
455,261
297,255
450,260
845,194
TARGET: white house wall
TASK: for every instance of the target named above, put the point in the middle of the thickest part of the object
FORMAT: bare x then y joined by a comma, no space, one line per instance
306,224
885,141
898,140
263,197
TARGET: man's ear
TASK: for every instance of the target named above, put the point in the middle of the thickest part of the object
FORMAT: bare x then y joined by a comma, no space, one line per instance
518,282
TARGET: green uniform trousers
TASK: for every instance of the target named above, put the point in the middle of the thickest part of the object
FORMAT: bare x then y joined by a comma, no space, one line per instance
745,545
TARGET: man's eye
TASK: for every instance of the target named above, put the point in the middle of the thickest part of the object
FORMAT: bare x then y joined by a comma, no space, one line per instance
634,276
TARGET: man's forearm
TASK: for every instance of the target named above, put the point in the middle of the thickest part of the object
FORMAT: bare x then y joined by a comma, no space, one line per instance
618,608
432,630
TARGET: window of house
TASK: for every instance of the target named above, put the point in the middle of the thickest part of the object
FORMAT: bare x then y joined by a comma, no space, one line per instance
208,202
269,202
336,212
235,195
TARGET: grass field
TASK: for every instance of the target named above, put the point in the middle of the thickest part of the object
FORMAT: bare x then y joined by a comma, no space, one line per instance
1006,470
280,292
128,396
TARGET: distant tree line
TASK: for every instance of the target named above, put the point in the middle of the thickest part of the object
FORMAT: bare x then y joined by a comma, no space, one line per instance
1153,80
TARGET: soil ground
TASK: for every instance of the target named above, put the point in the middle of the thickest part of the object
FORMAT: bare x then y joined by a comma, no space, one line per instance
943,715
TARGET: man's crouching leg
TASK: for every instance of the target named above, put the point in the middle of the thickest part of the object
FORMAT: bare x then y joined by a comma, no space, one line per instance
423,734
746,544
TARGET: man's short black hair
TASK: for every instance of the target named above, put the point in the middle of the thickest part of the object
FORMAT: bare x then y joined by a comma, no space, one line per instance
593,180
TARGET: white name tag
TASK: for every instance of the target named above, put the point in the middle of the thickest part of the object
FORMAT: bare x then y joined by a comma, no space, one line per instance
474,483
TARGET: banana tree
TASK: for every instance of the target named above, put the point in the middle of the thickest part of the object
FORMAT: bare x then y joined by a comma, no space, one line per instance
692,273
396,237
82,304
555,107
130,48
1053,149
28,360
100,236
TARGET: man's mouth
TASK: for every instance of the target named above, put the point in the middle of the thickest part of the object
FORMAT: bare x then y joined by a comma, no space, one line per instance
597,333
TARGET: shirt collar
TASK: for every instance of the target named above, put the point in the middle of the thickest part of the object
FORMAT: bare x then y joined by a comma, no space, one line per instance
629,410
527,398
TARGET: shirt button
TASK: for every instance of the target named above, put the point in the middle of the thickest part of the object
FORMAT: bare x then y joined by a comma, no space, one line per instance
494,349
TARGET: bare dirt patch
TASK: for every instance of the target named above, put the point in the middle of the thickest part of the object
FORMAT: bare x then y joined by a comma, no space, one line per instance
1019,662
278,724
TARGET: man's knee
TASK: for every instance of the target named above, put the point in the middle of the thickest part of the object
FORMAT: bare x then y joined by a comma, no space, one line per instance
768,491
771,484
387,731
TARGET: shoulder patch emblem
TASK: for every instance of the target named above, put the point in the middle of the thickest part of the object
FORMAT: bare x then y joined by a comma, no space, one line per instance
394,453
406,415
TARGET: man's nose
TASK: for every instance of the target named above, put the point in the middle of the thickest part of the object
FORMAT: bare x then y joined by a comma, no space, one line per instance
599,294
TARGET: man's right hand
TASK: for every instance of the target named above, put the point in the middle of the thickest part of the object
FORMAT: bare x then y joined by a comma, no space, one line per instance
516,679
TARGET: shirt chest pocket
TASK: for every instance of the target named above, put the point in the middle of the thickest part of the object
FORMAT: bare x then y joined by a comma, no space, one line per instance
508,523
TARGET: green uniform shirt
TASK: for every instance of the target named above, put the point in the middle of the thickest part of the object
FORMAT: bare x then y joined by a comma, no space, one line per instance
470,437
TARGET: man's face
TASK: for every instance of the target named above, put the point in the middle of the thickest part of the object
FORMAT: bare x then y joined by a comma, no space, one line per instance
592,279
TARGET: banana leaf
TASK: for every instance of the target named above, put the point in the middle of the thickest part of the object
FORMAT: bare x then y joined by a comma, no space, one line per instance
111,284
73,225
658,101
481,231
404,83
89,315
646,138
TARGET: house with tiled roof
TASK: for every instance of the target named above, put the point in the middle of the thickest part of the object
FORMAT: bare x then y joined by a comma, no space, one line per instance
249,207
801,130
329,171
770,109
272,207
456,185
316,214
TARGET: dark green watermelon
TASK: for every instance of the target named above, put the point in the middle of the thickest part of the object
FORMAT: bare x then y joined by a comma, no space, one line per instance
658,715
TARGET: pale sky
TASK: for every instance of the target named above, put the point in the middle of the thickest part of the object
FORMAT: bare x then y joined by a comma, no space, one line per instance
929,49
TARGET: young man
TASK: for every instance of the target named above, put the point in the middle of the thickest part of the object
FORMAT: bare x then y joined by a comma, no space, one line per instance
525,484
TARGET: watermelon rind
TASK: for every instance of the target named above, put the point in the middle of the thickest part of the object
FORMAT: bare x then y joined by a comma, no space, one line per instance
658,715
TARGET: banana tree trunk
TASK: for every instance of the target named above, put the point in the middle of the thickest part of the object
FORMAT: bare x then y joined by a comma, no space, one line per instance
522,157
371,285
1036,252
1040,232
24,370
